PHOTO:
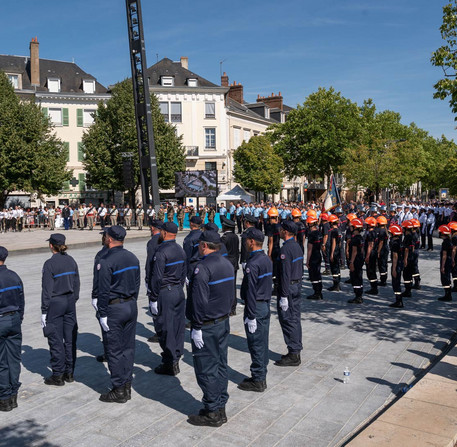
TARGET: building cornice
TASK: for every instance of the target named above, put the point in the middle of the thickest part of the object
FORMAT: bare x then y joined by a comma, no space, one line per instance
250,118
73,96
188,90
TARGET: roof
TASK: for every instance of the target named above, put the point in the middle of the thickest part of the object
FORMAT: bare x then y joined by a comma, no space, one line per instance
70,74
234,106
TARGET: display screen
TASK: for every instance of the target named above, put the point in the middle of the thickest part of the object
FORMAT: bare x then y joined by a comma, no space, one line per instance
196,183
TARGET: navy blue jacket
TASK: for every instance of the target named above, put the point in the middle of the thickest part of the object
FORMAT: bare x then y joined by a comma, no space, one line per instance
291,265
60,277
118,277
11,292
151,249
97,258
211,290
190,246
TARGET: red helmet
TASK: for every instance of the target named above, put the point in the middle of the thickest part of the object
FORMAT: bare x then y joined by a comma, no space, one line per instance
273,212
395,230
332,218
416,223
311,213
371,221
357,223
452,226
351,216
381,220
311,220
444,229
324,216
407,224
296,212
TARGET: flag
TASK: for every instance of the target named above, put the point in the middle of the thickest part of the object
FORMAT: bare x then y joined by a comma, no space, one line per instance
332,198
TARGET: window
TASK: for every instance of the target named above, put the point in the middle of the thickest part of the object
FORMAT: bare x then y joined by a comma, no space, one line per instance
167,81
164,110
247,135
54,85
210,166
176,112
80,151
210,110
236,138
89,86
210,138
82,182
56,116
14,79
88,117
192,82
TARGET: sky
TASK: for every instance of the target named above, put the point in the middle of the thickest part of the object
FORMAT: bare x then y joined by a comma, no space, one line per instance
377,49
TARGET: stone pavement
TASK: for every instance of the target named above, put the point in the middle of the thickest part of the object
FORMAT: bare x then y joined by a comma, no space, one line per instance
303,406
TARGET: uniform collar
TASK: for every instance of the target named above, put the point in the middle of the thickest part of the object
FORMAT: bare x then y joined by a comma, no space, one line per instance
289,239
2,267
255,251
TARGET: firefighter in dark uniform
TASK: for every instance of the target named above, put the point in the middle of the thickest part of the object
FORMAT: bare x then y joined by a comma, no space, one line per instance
396,255
417,242
371,254
11,316
325,229
408,259
347,238
301,229
356,260
392,219
453,226
249,222
343,225
59,293
314,257
383,249
232,246
190,244
118,289
334,252
208,308
289,294
272,232
256,293
445,262
167,300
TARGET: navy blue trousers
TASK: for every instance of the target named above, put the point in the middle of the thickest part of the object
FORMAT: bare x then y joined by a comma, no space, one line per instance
210,364
290,320
258,341
61,331
10,355
120,341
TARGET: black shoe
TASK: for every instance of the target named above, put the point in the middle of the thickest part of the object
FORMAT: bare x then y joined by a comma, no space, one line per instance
206,418
372,291
334,288
5,405
447,296
398,304
315,296
289,360
14,400
117,395
167,369
253,385
326,272
382,284
406,294
348,281
55,380
102,358
154,339
356,300
68,377
128,390
223,415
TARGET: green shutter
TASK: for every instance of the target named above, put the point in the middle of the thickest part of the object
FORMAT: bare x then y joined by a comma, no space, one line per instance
66,186
80,152
45,111
65,117
82,182
67,150
79,118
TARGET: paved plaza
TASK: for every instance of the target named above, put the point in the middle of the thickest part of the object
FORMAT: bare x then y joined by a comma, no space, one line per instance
307,405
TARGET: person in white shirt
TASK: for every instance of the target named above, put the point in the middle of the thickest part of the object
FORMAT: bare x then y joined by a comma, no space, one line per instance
140,216
101,214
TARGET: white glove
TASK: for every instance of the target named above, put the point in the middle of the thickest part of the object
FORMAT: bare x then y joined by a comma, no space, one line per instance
153,308
197,337
243,265
94,304
284,304
252,325
187,281
104,323
43,320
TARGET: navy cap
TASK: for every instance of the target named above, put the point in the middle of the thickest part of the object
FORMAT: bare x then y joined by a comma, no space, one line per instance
196,220
170,227
210,236
156,223
57,239
254,233
250,219
211,227
116,232
3,253
289,226
103,231
227,222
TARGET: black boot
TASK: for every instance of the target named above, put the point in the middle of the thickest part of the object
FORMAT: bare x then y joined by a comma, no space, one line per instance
250,384
14,400
317,295
223,415
68,377
348,281
398,302
454,289
326,272
447,295
128,390
117,395
374,288
417,283
289,360
357,300
55,380
167,369
335,288
407,292
383,278
206,418
5,405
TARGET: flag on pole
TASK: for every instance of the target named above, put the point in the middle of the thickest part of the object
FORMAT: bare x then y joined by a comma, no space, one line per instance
332,198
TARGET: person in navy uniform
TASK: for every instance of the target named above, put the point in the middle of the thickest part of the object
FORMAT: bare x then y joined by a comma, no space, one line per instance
301,230
325,229
417,242
408,259
256,293
11,316
343,225
356,260
118,289
383,249
347,238
151,248
453,226
314,257
396,255
208,308
249,222
272,229
190,244
371,254
167,301
334,252
59,293
445,262
289,294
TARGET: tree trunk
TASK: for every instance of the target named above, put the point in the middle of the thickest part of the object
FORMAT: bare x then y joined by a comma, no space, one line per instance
3,196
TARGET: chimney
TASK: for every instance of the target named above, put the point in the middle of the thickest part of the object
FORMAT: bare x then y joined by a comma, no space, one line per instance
236,92
224,80
185,62
34,62
273,101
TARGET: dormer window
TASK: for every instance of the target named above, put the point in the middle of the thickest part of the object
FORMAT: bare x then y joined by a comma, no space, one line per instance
89,86
167,81
267,112
14,79
192,82
54,85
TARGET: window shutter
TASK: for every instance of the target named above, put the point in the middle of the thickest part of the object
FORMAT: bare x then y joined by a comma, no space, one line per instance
67,150
65,117
79,118
66,186
80,151
45,111
82,182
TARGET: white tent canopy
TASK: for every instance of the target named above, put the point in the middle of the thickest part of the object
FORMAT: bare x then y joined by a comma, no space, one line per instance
235,194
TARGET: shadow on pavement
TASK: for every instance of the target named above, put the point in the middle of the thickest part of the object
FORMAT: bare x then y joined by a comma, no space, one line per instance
36,360
24,433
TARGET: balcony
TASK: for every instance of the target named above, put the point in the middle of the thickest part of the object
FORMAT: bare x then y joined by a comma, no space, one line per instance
191,152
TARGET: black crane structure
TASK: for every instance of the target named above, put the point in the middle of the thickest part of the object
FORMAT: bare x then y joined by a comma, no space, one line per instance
142,100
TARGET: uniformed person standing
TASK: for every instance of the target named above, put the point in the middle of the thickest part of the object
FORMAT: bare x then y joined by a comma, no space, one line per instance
190,245
334,252
343,225
347,238
383,249
11,316
161,214
59,293
289,294
208,308
453,226
397,256
118,289
211,214
408,259
90,215
249,222
128,214
356,260
314,257
167,300
181,213
140,216
301,230
445,262
417,242
256,293
371,254
325,229
113,215
272,232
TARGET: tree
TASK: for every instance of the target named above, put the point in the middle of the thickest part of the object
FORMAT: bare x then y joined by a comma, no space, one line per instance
313,139
257,167
114,133
32,158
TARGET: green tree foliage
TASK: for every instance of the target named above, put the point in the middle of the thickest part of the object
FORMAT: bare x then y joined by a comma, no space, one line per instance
114,133
257,167
314,138
32,158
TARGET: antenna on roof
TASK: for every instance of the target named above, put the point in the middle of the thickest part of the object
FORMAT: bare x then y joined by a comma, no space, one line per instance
73,59
157,57
220,65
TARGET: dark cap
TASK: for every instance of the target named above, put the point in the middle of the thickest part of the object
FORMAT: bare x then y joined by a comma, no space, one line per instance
156,223
57,239
210,236
117,233
211,227
289,226
196,220
170,227
251,219
254,233
227,222
104,231
3,253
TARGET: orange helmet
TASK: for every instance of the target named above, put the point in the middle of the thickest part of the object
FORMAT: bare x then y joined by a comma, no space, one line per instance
357,223
296,212
444,229
371,221
273,212
311,213
452,226
351,216
407,224
381,220
416,223
395,230
332,218
311,220
324,216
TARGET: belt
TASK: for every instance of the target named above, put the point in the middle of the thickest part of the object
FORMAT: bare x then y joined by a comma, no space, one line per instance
217,320
8,313
120,300
297,281
170,286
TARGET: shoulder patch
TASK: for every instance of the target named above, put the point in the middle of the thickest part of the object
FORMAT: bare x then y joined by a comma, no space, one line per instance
98,266
248,270
283,256
196,271
155,258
